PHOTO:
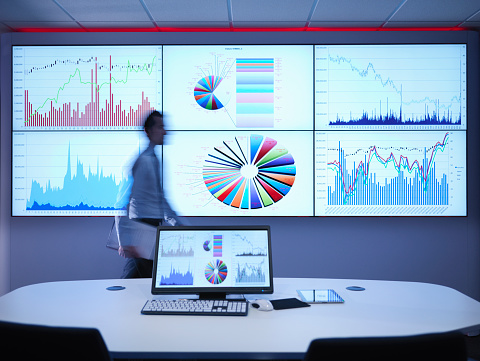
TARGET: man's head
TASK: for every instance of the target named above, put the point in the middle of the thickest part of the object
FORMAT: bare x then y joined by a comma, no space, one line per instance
154,127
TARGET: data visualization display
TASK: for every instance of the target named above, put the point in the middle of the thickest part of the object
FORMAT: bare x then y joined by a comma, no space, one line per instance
74,172
212,259
390,173
85,87
239,87
390,87
240,173
252,130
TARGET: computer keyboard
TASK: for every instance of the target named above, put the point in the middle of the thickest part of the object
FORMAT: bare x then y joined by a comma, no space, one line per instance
196,307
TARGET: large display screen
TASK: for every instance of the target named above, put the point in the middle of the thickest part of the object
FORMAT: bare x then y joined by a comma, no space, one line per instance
385,87
77,117
253,130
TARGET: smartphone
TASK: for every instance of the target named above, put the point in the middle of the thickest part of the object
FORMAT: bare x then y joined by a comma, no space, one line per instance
320,296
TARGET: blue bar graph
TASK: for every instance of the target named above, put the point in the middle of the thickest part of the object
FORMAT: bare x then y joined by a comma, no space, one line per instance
412,182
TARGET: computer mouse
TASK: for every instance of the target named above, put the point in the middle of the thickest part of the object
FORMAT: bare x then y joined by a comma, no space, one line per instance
262,305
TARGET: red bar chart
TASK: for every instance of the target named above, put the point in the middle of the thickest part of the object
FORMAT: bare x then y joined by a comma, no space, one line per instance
87,88
93,115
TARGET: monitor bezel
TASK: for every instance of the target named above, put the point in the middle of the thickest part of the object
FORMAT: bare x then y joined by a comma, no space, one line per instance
213,292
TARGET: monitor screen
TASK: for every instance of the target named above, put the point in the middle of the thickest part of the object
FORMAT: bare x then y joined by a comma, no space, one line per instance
310,128
213,260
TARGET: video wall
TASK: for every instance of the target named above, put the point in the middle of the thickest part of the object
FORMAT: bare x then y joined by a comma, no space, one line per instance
253,130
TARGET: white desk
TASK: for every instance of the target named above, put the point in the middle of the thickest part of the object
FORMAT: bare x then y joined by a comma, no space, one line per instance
383,309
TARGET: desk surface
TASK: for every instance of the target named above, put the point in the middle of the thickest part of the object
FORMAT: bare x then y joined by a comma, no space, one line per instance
385,308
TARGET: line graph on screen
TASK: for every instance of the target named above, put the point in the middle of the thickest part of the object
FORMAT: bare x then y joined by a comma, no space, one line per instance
246,246
392,173
251,271
177,246
85,87
391,87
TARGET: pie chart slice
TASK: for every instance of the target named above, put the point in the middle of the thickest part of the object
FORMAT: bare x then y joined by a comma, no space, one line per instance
254,176
204,92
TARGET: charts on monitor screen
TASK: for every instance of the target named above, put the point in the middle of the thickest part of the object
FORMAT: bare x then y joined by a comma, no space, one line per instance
239,87
390,173
253,130
390,87
240,173
223,258
85,87
74,172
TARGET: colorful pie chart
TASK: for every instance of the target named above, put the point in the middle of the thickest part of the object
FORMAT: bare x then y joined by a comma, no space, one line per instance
216,272
204,92
254,176
206,246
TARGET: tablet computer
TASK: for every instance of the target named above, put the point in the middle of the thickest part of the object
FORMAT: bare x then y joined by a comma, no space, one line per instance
320,296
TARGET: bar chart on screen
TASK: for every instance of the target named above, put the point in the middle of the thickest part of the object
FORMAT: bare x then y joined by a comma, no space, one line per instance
391,173
404,87
85,87
73,173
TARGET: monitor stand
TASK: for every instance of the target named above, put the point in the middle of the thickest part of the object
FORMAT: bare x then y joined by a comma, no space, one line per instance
212,295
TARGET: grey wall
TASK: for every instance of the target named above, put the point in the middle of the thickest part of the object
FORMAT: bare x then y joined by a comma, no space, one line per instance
432,250
444,250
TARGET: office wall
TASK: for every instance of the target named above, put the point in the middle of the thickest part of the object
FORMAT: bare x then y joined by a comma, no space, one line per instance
443,250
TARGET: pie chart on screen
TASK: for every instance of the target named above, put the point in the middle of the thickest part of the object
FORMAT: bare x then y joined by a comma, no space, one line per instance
206,246
253,174
210,94
216,272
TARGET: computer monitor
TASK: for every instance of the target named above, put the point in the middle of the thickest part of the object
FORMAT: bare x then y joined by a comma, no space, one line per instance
213,261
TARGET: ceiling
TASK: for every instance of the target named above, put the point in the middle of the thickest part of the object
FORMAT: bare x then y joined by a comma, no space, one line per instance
235,15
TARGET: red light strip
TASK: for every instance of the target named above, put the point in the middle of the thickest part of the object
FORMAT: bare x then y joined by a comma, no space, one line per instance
170,29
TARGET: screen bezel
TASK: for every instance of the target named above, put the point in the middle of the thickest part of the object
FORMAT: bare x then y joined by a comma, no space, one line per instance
218,292
469,38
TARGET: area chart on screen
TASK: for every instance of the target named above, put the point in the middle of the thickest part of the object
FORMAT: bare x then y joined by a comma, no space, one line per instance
74,172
